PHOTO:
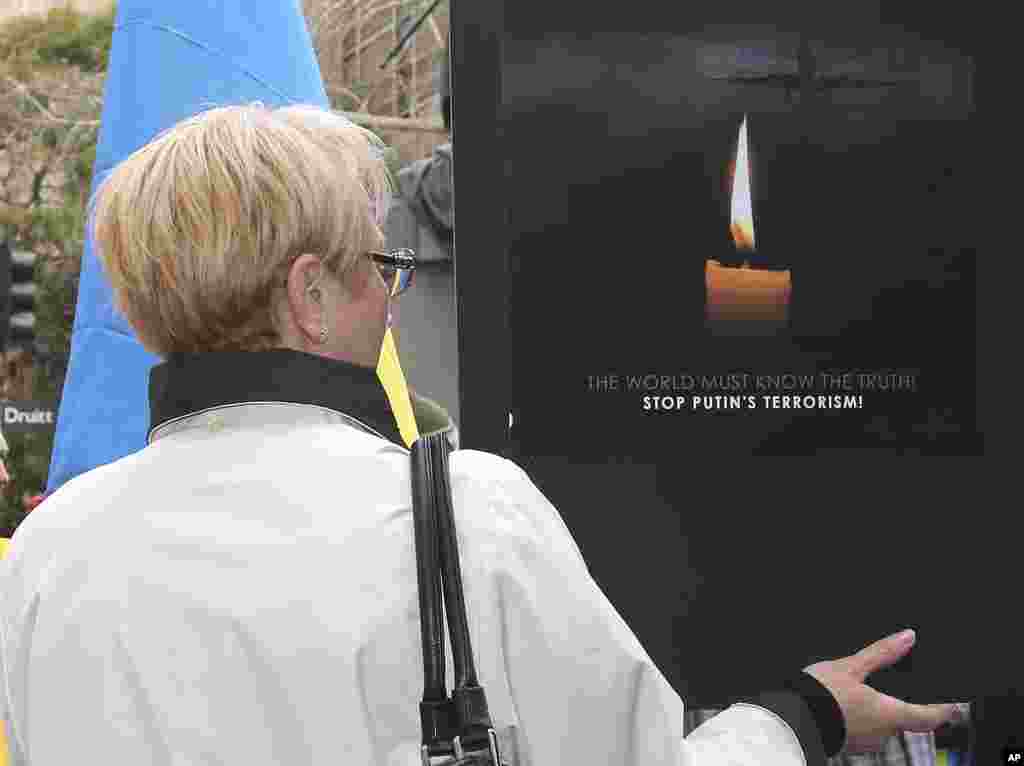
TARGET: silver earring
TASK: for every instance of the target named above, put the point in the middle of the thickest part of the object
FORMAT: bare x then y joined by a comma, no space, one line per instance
323,334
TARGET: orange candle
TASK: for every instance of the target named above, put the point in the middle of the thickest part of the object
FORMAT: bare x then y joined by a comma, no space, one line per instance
745,293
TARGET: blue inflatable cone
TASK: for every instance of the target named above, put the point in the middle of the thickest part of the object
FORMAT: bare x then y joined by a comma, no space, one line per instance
169,60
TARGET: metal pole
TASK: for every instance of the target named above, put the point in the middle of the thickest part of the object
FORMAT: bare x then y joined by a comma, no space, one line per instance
411,32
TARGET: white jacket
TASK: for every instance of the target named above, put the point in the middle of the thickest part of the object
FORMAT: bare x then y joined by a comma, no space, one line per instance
243,592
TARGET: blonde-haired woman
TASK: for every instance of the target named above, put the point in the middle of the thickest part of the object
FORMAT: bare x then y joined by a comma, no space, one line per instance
243,590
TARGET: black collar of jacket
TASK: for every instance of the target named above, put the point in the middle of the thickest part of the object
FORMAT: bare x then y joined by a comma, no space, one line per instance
188,383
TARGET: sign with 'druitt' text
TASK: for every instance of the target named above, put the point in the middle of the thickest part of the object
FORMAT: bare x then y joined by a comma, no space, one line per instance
23,415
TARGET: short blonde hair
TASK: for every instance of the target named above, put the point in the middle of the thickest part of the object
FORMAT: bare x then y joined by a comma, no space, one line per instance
196,229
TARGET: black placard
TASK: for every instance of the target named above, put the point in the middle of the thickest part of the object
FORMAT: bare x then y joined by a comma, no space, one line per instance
582,294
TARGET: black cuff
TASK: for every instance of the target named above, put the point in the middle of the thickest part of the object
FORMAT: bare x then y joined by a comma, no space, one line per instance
827,713
812,712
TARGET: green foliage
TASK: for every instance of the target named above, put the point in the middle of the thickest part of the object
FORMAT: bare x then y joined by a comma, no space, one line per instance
50,137
84,161
404,103
29,461
57,281
84,43
63,226
56,291
394,162
353,99
63,37
30,46
57,287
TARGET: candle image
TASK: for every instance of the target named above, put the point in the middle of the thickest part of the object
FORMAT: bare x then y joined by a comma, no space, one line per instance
758,296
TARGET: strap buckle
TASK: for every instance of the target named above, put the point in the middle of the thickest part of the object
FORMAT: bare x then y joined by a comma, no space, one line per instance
482,750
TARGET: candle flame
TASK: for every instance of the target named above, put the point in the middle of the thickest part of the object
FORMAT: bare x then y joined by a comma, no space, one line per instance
742,218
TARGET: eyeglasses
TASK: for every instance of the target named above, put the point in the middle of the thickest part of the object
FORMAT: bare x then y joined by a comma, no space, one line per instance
396,267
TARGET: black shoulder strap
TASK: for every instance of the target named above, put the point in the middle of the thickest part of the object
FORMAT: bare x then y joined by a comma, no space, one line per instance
435,709
460,723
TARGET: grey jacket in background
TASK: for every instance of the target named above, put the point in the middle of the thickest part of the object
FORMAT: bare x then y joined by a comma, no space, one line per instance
423,216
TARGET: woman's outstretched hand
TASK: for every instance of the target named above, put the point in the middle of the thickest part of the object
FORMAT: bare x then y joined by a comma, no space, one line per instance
872,717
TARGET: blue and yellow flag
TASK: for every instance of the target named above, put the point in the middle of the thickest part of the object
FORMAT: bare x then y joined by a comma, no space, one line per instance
170,60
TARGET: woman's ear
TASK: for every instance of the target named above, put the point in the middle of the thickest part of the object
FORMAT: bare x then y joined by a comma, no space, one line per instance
306,295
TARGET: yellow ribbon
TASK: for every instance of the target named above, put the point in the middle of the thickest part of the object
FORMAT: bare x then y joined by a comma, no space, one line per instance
389,371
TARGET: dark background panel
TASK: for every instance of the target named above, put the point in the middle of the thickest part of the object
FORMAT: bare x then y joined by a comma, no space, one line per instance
612,188
481,250
734,576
